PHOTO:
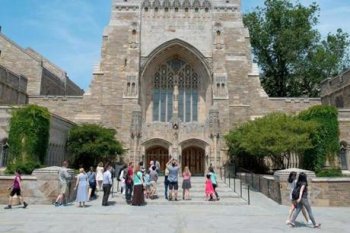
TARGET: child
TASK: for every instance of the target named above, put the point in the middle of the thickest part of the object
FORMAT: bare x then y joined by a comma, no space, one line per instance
147,184
16,189
209,190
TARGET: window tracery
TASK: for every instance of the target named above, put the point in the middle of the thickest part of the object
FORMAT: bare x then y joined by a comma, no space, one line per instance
175,72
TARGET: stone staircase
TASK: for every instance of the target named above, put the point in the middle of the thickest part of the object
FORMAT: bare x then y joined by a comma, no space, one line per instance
226,194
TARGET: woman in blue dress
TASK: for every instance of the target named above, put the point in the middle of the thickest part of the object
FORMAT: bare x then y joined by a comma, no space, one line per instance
82,188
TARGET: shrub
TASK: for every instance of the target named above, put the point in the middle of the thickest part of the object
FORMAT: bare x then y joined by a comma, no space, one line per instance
332,172
24,167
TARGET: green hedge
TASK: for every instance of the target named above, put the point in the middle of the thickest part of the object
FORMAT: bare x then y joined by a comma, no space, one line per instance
28,138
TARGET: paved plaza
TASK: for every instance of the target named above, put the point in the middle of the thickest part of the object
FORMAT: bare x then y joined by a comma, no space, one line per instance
263,215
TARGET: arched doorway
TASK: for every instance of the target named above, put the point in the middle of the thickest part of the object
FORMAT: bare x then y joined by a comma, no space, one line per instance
159,154
193,157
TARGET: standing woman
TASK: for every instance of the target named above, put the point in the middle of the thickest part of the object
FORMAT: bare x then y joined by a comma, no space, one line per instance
303,201
92,183
186,184
99,175
292,182
214,181
16,189
82,188
138,198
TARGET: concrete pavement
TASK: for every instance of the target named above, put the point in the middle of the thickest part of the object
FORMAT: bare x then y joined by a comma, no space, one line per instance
263,215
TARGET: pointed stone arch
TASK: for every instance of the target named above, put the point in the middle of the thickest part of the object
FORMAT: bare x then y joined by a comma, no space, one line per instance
175,49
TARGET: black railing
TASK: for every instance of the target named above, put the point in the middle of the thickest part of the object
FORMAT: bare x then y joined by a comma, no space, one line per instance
228,175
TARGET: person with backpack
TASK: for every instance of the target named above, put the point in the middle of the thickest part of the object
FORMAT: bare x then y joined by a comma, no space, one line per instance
92,183
292,181
302,200
129,183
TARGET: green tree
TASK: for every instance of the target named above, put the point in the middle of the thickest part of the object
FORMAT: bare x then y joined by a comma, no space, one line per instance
276,136
91,143
289,50
28,138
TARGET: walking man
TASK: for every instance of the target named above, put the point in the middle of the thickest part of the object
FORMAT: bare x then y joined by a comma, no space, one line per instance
173,168
106,184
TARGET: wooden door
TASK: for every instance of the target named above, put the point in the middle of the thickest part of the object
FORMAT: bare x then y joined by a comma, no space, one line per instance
159,154
193,157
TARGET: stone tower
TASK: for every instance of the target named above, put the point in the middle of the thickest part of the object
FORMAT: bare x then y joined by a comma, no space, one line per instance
174,77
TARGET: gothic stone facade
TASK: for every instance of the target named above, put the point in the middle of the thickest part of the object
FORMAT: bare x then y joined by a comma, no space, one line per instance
174,77
336,91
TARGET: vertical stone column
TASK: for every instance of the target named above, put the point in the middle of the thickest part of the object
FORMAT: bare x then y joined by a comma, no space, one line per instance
214,130
135,134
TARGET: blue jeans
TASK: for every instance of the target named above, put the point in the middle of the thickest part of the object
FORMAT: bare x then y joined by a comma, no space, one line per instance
166,187
128,191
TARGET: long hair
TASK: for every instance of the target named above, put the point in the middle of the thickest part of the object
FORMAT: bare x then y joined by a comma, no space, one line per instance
302,179
136,168
292,176
187,171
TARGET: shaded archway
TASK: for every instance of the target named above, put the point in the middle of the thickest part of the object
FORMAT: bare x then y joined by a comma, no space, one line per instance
157,153
193,157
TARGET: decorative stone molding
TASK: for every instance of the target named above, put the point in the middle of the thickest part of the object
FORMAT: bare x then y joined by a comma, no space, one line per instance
220,90
176,4
136,124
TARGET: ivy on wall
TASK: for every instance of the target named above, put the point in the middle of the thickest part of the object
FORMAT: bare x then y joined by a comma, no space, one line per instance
325,138
28,138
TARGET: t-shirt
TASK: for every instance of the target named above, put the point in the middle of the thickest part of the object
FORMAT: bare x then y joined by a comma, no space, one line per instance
291,187
16,182
173,173
153,175
213,177
305,189
63,175
107,177
92,177
138,178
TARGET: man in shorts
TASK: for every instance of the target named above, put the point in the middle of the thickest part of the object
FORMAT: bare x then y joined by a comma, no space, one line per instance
173,168
64,178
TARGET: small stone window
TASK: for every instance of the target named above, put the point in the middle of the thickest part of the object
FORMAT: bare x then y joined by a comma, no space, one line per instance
218,33
186,9
206,9
156,9
146,9
176,9
166,9
196,9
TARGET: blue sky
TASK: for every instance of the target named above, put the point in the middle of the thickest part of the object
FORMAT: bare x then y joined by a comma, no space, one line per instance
69,32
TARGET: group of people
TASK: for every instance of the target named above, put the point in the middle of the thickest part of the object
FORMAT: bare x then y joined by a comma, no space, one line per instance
137,183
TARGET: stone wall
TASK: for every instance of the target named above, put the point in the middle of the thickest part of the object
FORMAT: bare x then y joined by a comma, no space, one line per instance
336,91
42,187
322,191
13,88
35,67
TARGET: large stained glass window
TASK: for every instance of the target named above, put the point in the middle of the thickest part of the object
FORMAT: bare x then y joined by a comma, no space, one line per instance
175,72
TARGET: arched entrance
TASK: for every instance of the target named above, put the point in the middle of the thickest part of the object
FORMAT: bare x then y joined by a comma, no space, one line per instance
193,157
159,154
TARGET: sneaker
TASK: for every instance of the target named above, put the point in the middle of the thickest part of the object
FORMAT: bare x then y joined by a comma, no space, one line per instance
317,225
25,204
8,207
309,222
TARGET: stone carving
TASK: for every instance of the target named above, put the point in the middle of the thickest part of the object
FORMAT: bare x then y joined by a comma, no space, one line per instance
220,86
136,124
131,88
214,122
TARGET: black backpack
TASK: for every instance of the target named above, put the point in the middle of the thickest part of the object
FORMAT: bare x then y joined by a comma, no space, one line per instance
296,192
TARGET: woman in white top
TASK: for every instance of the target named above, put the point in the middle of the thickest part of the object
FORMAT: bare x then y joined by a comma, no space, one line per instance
99,175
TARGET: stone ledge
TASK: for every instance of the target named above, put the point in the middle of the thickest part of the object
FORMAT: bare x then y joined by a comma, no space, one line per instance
329,179
11,177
